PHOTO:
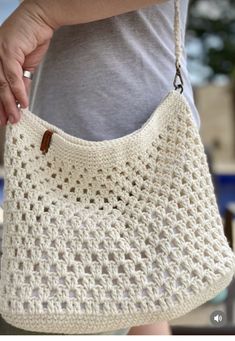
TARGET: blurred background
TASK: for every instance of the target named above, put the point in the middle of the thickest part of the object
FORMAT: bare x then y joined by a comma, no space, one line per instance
210,46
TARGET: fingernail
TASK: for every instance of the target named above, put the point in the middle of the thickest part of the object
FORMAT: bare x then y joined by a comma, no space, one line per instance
11,118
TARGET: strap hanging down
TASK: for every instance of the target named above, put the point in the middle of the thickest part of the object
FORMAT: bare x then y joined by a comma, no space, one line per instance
178,80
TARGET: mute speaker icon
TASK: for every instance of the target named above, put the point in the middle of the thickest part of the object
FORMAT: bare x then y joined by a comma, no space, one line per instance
217,318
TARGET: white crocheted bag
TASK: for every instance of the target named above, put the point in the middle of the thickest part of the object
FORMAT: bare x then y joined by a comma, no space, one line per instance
102,235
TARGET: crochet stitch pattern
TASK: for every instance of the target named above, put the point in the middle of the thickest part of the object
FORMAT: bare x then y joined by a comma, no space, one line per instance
103,235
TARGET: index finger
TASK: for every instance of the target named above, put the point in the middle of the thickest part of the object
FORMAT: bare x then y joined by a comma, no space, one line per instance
14,76
7,100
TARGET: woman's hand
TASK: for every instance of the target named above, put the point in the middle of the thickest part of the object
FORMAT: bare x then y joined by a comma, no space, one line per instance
26,34
24,39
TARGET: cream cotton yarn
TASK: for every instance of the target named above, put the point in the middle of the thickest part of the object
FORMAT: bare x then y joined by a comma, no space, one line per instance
109,234
103,235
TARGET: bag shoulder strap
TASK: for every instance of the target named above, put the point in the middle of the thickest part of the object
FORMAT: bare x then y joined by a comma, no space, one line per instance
178,80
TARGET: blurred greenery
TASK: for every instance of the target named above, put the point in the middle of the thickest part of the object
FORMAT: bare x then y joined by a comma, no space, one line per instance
214,19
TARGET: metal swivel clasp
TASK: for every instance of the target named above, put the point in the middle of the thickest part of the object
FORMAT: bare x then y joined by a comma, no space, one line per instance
178,80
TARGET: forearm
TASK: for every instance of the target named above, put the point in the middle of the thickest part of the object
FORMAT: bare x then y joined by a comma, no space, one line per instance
70,12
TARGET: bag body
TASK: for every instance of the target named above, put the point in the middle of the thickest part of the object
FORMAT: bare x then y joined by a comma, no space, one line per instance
103,235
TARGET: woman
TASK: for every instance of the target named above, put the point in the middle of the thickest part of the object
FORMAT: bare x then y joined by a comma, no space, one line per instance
101,68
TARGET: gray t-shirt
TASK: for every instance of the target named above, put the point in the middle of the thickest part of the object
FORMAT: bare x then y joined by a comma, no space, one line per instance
103,79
